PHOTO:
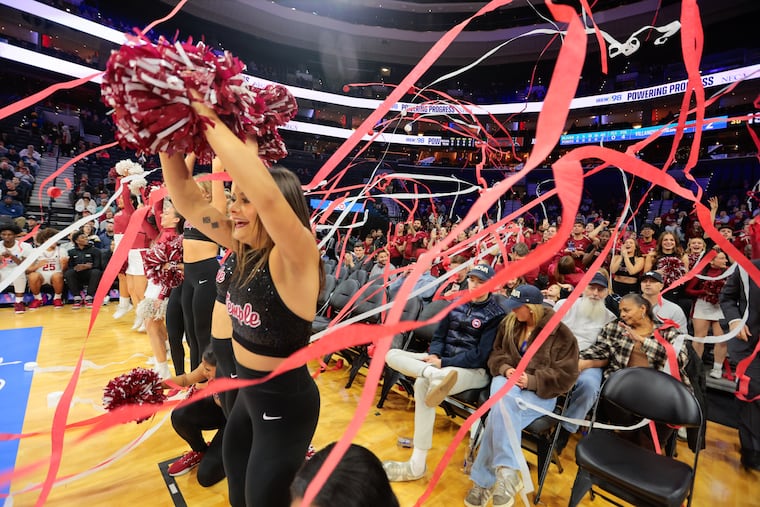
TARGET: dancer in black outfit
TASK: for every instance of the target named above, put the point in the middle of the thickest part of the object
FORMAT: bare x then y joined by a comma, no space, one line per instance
272,300
201,265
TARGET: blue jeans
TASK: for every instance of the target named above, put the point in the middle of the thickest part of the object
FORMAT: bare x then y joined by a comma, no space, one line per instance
583,396
495,449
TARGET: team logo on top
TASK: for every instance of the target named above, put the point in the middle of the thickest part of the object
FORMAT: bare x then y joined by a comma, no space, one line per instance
481,267
220,275
476,323
244,314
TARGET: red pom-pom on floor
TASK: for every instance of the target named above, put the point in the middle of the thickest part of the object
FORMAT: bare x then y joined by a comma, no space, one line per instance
137,387
148,88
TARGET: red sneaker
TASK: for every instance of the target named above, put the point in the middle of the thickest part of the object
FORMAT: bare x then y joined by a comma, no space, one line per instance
35,304
77,304
19,307
185,463
58,303
88,302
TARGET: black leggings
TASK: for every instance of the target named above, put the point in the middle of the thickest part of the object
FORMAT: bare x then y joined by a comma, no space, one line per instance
267,436
198,296
225,367
188,422
175,329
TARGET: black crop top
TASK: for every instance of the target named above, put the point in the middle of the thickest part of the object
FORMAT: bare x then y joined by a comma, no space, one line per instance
223,277
623,269
261,322
190,232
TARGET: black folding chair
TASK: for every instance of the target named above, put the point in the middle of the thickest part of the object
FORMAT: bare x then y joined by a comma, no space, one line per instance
628,471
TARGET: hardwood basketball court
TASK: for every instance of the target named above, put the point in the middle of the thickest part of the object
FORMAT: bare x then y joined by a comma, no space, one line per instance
134,477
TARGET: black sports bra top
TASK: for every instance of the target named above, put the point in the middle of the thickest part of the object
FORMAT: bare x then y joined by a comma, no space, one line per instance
261,322
223,277
190,232
623,269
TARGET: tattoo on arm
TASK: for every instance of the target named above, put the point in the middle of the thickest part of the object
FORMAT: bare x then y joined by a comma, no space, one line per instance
207,220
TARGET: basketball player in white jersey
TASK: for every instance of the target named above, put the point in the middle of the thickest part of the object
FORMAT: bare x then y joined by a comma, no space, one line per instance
47,270
13,253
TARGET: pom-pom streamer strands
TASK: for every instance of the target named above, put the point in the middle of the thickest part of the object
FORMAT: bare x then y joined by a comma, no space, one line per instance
137,387
151,86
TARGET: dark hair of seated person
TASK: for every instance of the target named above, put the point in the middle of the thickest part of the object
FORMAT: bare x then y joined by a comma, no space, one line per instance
357,481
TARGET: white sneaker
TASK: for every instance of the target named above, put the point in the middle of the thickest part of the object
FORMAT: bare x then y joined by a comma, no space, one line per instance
141,329
508,485
163,371
121,311
137,323
716,373
151,360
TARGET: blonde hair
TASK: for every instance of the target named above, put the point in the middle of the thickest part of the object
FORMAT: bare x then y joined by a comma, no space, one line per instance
512,328
205,186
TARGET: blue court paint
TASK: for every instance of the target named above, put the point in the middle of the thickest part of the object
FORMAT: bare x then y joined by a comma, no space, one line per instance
17,346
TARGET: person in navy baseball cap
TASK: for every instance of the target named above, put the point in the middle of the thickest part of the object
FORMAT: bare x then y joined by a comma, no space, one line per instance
523,295
482,272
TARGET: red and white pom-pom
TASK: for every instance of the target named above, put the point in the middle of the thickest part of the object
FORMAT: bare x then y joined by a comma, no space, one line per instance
672,269
161,254
137,387
148,86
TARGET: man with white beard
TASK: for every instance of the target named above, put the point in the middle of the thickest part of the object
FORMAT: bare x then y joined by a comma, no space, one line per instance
586,318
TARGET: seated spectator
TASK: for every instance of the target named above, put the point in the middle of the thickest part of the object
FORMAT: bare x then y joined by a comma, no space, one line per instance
630,342
12,210
25,181
664,310
85,203
382,265
91,232
11,189
31,223
457,282
12,254
551,372
85,267
520,250
576,245
7,171
107,235
357,481
191,420
646,240
48,269
31,158
565,271
456,362
585,318
625,267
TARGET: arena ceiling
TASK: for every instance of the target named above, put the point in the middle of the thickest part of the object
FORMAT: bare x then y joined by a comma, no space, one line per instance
401,32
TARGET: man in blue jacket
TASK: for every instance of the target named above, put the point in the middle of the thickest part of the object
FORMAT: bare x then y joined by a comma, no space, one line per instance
455,362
